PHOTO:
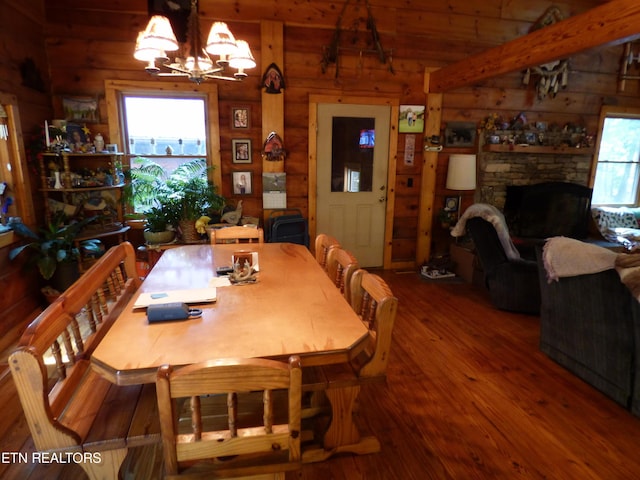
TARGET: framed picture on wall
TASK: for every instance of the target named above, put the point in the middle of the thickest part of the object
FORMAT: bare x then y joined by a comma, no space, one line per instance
80,109
241,183
240,118
460,134
241,150
411,118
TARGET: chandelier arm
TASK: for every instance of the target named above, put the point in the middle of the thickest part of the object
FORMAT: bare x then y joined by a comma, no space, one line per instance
222,77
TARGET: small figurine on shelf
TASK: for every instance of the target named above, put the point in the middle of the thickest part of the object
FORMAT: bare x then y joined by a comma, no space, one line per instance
55,168
98,142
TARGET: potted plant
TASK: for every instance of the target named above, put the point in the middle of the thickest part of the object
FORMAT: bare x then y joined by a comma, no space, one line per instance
447,218
157,224
185,195
53,249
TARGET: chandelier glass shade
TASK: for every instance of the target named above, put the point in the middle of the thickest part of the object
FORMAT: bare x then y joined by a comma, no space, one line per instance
196,64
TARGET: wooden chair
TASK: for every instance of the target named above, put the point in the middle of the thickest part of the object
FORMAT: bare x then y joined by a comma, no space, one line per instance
237,234
340,384
247,443
323,244
374,302
341,265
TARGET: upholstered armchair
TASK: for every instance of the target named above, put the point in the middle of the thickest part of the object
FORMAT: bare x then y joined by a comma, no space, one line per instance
512,282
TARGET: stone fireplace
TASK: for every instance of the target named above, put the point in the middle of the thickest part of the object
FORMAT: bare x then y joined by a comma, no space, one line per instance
497,170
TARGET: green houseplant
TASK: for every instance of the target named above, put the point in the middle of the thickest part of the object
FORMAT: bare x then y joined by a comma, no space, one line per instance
183,196
53,249
158,221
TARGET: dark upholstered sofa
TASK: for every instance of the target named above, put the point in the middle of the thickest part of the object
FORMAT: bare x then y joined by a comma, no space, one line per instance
590,324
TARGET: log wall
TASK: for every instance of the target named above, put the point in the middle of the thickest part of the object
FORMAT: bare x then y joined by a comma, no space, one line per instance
90,41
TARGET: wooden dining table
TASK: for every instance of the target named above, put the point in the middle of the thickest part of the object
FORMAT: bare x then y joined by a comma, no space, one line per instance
292,309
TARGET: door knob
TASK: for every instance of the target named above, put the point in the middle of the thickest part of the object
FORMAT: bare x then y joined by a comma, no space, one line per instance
382,199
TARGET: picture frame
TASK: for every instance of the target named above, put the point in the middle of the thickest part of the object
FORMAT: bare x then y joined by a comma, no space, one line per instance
451,204
460,134
76,136
242,184
411,118
240,118
80,109
241,150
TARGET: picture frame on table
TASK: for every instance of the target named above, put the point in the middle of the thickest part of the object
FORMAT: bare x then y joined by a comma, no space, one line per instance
242,184
240,118
241,150
451,204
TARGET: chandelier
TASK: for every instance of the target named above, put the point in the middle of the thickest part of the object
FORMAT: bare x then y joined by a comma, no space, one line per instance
197,65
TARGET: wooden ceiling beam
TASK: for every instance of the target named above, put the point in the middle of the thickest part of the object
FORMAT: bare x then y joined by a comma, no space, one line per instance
614,22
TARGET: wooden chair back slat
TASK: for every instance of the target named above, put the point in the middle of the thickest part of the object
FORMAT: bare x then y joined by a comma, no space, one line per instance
341,265
232,411
88,310
196,418
372,298
237,234
275,444
323,244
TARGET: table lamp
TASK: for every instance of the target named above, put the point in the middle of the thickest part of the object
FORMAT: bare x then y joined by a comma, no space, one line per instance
461,175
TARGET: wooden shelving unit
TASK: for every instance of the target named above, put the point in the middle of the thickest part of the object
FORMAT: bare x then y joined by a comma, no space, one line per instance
78,188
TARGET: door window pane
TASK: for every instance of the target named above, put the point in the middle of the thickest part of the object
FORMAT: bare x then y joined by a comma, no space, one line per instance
353,141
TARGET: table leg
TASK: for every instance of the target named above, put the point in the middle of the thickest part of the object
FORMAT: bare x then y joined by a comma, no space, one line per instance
342,429
342,435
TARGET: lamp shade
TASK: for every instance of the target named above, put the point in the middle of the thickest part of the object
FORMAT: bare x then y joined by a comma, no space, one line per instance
221,40
159,35
461,174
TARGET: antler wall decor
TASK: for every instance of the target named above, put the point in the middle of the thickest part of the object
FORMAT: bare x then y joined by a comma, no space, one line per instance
331,52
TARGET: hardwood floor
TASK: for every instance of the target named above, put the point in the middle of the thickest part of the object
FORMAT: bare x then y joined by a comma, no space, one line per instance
468,396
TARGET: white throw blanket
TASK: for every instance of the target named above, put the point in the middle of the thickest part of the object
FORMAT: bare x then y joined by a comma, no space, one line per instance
496,218
567,257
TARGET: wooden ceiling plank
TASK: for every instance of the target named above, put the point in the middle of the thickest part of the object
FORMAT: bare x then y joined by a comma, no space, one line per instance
616,21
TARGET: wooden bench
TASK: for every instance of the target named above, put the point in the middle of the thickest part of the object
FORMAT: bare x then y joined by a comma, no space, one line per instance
72,411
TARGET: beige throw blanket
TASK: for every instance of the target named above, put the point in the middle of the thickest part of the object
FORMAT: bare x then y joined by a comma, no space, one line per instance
496,218
567,257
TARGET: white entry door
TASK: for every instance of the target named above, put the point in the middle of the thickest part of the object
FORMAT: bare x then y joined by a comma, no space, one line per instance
352,161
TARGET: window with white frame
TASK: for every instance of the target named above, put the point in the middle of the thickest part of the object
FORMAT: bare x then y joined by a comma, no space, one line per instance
617,168
166,123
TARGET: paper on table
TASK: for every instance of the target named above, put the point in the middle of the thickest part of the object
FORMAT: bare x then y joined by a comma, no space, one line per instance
193,295
220,282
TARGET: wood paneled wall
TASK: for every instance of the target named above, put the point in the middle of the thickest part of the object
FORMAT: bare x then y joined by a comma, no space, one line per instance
90,41
23,74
